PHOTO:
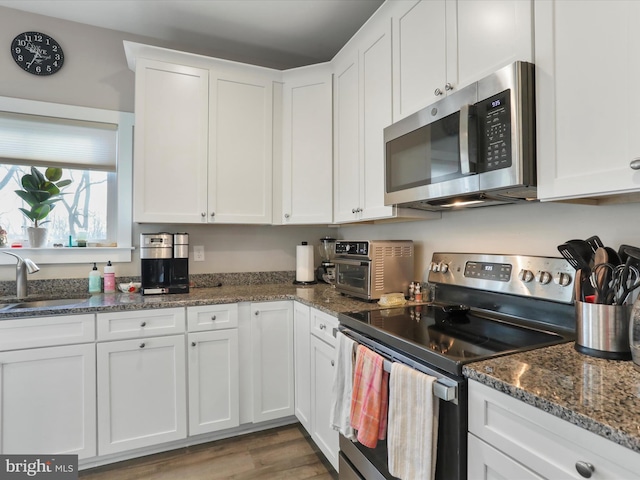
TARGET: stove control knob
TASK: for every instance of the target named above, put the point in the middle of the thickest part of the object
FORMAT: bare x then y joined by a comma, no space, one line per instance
525,275
434,267
562,279
543,277
444,267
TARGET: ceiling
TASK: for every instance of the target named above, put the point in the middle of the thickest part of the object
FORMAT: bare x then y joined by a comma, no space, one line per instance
274,33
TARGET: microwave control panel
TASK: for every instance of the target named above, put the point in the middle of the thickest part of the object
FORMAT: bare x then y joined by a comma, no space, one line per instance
494,116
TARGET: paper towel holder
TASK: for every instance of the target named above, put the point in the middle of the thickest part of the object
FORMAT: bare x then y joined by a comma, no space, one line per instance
304,265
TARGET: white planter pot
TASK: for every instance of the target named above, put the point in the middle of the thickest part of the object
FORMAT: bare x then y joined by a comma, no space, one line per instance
37,236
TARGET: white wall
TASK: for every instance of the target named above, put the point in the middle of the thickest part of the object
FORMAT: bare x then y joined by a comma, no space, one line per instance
535,229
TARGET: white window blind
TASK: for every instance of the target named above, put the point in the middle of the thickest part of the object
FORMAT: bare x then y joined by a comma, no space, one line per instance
27,139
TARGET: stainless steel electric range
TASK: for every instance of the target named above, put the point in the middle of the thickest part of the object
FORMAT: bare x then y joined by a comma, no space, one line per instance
483,306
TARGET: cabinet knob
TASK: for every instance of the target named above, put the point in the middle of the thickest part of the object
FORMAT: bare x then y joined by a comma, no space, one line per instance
143,324
213,318
448,87
257,312
213,214
635,164
585,469
333,363
203,214
322,326
193,344
437,92
353,210
142,345
286,215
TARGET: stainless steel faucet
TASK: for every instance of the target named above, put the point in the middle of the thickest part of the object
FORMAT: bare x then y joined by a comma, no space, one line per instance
23,267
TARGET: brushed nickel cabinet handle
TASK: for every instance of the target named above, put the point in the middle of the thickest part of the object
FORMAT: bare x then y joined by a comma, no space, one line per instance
193,344
585,469
635,164
257,312
437,92
142,345
143,324
213,318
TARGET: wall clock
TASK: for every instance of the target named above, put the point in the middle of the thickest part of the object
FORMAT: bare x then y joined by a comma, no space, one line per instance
37,53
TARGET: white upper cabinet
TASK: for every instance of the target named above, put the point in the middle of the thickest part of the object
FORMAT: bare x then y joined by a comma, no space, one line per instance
440,46
585,148
240,146
362,109
170,148
307,156
204,130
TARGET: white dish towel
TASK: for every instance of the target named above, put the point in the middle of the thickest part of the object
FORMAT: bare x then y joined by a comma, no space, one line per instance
343,386
412,439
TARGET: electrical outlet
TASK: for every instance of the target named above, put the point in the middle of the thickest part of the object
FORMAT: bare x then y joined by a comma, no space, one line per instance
198,253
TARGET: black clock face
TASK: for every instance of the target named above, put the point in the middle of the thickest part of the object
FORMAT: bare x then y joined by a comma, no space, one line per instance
37,53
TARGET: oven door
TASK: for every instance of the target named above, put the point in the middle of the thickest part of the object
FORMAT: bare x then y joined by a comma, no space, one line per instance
353,277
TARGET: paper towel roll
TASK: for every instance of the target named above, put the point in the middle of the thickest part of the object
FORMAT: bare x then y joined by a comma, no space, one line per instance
304,263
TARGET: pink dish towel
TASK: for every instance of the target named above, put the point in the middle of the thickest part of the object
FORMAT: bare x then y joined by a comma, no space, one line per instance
369,399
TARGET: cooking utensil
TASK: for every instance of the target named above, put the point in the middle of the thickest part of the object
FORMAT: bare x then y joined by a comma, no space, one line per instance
577,286
578,253
594,242
601,275
614,258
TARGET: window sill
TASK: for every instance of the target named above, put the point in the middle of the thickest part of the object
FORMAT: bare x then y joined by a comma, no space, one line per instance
66,255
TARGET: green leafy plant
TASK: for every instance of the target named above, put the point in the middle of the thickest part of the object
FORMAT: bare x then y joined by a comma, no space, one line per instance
41,192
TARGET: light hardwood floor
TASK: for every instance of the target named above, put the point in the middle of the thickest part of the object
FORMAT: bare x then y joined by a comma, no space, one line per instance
281,453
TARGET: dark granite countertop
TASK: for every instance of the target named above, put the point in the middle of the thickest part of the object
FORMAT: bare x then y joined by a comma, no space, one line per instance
321,296
602,396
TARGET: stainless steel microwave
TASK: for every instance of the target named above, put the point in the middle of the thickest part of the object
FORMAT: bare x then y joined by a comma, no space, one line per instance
476,147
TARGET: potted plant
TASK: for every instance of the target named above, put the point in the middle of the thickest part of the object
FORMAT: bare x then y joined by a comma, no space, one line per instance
41,192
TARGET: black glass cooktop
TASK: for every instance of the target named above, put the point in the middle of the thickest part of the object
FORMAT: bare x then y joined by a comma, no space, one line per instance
446,336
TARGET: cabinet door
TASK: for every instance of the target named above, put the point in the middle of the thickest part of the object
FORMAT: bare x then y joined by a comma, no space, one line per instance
141,393
240,147
307,163
322,371
419,54
583,50
214,402
47,401
489,34
302,362
376,114
170,147
488,463
272,340
346,117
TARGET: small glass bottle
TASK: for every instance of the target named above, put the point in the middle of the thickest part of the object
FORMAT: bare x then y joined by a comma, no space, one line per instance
418,292
412,287
94,280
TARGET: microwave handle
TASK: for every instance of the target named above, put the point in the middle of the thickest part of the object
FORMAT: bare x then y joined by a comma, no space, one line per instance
466,166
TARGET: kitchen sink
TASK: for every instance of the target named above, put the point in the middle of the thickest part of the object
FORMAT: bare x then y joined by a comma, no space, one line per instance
58,302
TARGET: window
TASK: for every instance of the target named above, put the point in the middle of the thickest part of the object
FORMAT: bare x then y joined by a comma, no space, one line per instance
94,148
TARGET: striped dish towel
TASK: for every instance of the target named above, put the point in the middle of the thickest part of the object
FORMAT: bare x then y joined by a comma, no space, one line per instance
413,424
343,386
369,400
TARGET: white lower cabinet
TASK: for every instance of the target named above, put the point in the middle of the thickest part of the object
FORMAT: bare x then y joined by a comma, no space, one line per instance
315,366
214,402
322,369
510,439
47,401
302,361
141,393
272,360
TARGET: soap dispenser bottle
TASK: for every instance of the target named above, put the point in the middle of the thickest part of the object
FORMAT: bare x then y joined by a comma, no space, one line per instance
109,278
94,280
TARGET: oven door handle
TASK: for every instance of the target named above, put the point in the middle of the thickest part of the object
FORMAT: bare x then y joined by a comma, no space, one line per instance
443,388
347,261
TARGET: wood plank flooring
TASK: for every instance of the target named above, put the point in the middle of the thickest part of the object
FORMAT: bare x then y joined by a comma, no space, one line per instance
280,453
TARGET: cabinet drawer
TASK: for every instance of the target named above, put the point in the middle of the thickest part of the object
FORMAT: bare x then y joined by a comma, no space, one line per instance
46,331
140,323
212,317
545,444
324,326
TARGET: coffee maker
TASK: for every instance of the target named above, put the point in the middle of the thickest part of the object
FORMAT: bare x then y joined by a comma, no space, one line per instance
165,263
326,272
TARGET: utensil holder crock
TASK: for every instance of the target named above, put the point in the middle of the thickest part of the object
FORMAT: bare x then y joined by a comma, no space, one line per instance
603,330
